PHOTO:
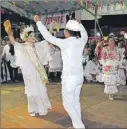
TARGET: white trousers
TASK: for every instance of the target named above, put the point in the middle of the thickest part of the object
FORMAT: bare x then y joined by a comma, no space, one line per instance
71,87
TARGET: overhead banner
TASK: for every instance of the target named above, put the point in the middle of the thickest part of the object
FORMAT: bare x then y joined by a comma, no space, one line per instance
60,19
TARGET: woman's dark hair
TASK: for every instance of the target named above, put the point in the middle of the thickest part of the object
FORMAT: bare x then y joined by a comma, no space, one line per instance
12,50
30,32
111,37
119,41
74,33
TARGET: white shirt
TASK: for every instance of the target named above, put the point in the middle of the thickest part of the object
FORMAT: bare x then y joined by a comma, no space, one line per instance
71,50
6,52
91,68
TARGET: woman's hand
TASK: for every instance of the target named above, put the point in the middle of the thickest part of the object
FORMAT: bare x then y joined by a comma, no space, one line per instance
7,27
99,44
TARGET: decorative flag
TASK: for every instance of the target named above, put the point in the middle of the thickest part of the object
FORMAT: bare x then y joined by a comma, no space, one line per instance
46,2
81,1
51,29
26,2
83,5
71,1
57,27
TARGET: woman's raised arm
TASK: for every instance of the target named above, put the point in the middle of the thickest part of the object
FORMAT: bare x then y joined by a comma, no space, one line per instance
8,29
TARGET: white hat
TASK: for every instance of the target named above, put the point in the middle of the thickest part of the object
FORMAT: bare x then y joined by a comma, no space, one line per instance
73,25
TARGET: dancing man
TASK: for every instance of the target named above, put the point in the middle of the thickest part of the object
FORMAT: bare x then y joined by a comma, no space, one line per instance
34,74
72,75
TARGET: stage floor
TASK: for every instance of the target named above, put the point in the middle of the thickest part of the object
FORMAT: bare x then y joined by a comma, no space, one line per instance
97,110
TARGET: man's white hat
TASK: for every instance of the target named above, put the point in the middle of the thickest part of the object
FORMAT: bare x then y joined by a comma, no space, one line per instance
73,25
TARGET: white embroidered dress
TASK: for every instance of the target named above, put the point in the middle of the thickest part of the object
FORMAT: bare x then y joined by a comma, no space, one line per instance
34,77
111,61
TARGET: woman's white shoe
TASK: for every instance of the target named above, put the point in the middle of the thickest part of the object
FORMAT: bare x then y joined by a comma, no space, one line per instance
111,97
32,114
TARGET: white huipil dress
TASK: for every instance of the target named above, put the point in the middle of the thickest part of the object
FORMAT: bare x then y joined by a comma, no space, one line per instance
34,76
111,61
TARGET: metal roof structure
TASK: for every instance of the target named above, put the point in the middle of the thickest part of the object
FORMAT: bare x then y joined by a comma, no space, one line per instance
28,8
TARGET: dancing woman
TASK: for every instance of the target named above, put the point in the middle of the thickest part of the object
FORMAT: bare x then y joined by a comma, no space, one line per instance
34,74
111,60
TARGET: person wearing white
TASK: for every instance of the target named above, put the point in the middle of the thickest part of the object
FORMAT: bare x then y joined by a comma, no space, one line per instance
72,74
8,59
5,76
6,52
55,65
31,63
5,56
99,73
91,70
111,60
122,70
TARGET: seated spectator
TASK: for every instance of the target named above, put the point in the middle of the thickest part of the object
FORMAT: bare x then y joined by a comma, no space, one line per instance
91,70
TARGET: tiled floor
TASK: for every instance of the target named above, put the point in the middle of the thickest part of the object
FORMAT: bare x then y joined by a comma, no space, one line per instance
97,110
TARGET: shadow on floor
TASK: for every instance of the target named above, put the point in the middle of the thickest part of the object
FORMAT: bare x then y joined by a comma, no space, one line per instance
65,121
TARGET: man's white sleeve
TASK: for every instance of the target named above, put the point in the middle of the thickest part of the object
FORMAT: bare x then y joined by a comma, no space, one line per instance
83,32
48,37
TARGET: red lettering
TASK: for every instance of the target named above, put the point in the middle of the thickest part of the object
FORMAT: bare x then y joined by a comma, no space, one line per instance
51,19
58,17
62,19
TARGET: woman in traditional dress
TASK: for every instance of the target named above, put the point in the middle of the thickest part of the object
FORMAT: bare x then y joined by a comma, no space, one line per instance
111,60
122,69
34,74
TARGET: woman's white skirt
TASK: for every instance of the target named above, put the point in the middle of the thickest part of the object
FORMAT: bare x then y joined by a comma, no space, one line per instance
111,83
38,104
36,91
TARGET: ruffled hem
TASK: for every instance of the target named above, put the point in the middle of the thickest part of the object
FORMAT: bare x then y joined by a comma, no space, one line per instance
111,79
111,83
110,89
38,104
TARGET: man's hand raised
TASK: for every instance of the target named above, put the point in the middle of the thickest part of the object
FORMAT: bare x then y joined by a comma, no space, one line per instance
36,18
